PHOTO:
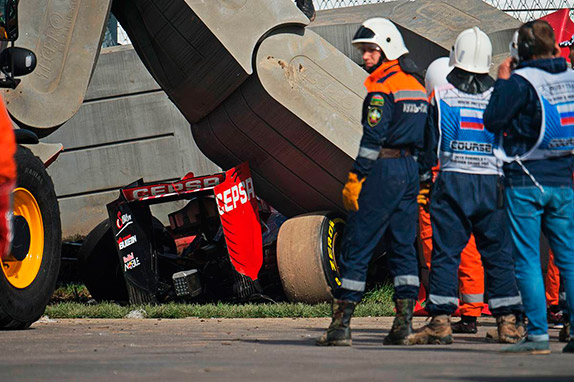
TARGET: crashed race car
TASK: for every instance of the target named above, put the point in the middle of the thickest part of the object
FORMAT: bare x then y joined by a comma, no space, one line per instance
220,246
225,244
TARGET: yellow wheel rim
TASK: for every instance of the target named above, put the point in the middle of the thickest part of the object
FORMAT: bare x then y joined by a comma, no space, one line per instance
22,273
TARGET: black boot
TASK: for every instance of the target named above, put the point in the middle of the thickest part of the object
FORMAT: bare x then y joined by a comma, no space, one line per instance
467,324
306,6
339,332
403,323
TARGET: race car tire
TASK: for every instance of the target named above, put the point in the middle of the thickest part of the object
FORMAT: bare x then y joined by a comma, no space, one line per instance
100,267
307,250
27,285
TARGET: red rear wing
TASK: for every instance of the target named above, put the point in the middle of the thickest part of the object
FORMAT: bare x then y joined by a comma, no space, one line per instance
239,215
237,205
187,185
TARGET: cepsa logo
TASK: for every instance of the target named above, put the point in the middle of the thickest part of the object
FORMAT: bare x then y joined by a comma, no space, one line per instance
238,194
124,242
185,185
130,262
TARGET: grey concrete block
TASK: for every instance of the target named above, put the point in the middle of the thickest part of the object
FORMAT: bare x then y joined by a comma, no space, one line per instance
429,27
66,37
126,129
121,119
119,72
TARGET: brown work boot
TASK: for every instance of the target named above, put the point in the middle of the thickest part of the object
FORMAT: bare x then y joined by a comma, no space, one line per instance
438,332
339,332
492,334
403,323
508,333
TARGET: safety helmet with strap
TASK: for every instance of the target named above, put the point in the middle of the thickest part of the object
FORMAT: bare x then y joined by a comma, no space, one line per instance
436,74
472,51
384,34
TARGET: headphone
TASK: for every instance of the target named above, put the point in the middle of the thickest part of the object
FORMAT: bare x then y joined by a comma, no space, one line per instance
526,46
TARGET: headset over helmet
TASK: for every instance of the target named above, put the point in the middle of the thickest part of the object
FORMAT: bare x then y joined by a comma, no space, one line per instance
384,34
472,51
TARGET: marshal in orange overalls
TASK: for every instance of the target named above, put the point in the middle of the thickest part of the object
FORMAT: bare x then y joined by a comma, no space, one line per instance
7,176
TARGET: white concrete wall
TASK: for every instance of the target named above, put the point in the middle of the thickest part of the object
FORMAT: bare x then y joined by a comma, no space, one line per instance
126,129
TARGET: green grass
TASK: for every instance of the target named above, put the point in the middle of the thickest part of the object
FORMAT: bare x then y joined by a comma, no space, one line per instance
377,302
71,292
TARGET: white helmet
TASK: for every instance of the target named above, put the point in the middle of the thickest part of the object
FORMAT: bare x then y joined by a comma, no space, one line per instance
384,34
472,51
436,74
513,46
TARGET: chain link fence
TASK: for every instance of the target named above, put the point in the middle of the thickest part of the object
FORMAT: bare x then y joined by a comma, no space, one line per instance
524,10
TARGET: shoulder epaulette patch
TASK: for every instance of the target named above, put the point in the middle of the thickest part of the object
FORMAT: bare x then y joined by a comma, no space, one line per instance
377,100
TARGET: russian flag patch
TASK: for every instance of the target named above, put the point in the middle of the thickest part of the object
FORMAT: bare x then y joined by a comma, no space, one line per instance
566,112
471,119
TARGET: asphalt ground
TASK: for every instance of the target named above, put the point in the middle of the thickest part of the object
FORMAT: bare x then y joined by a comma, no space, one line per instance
257,350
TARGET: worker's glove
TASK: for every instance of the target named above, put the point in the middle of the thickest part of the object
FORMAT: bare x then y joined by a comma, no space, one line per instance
423,198
351,192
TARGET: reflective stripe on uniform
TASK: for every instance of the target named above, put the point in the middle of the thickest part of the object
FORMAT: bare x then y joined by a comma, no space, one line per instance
358,286
403,95
406,280
443,300
367,153
479,297
494,303
562,296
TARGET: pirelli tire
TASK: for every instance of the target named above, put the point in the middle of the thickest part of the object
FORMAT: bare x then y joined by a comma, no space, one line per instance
26,285
307,250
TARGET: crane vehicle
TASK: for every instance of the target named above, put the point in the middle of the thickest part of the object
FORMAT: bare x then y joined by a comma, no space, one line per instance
30,269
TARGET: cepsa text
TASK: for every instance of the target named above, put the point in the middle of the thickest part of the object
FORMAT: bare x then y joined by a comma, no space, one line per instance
236,195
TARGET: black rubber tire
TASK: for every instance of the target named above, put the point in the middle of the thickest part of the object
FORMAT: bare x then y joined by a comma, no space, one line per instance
100,267
19,308
307,251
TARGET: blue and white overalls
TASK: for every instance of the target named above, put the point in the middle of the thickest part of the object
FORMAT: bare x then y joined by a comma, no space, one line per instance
466,199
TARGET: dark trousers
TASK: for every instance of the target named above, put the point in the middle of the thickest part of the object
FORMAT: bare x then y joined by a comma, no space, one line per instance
387,205
463,204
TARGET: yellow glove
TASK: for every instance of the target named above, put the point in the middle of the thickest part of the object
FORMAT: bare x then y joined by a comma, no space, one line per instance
423,198
351,192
